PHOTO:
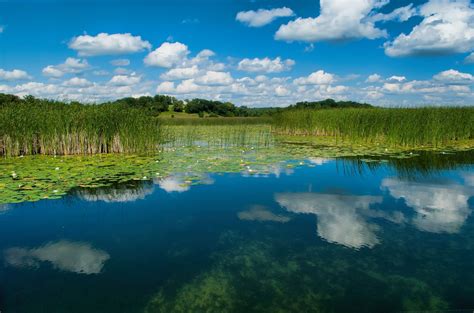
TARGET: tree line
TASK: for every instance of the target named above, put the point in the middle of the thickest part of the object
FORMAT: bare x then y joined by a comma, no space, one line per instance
155,105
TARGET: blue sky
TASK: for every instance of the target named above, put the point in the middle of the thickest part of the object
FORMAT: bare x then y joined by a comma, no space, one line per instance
255,53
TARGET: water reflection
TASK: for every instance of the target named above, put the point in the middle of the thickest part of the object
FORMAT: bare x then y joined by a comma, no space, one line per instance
181,182
262,214
341,218
441,207
319,161
76,257
4,208
129,192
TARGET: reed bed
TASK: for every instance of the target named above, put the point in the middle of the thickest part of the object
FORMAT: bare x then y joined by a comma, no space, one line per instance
394,126
216,121
55,128
218,135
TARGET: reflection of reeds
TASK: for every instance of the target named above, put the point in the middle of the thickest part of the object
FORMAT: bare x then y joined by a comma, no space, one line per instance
43,127
218,136
400,126
215,121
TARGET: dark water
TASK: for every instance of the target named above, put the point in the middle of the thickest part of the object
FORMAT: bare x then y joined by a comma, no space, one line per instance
325,236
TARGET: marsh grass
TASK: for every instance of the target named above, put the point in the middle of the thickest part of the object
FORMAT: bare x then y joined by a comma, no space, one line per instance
215,121
50,128
394,126
243,135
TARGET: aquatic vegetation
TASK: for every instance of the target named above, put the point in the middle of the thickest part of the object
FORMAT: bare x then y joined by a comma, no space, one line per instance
42,127
193,151
261,214
397,127
254,276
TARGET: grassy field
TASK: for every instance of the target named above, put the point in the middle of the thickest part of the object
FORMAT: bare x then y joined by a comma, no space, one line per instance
49,128
405,127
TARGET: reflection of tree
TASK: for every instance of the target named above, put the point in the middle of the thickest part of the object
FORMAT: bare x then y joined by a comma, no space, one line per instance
440,207
76,257
125,192
340,217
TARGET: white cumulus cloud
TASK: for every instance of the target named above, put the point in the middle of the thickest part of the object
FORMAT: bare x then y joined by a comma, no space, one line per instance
124,80
213,78
70,66
13,75
453,76
317,78
181,73
447,27
338,20
167,55
262,17
108,44
266,65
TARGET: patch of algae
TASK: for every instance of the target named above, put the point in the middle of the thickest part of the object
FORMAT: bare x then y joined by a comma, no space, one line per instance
254,276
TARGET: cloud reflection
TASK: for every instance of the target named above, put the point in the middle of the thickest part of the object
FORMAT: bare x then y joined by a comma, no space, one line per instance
182,182
76,257
261,214
340,218
439,207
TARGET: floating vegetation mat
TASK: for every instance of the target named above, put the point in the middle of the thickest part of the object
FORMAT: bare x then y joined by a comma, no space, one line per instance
192,151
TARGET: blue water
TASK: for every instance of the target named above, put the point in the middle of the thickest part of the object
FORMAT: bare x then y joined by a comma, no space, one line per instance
315,238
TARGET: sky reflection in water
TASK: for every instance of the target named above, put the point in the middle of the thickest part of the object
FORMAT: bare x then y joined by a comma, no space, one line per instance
128,247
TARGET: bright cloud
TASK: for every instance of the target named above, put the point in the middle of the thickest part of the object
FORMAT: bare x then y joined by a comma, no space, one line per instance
397,78
124,80
262,17
338,20
77,82
108,44
402,14
13,75
447,27
181,73
70,66
453,76
374,78
266,65
317,78
167,55
214,78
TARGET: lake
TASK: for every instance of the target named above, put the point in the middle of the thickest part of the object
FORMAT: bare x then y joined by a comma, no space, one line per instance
301,234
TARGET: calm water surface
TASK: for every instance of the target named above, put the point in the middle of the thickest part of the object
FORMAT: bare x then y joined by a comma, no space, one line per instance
323,236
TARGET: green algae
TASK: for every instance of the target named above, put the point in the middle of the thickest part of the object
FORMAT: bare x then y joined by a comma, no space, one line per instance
255,276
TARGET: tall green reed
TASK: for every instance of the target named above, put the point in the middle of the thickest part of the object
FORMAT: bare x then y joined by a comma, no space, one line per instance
54,128
396,126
